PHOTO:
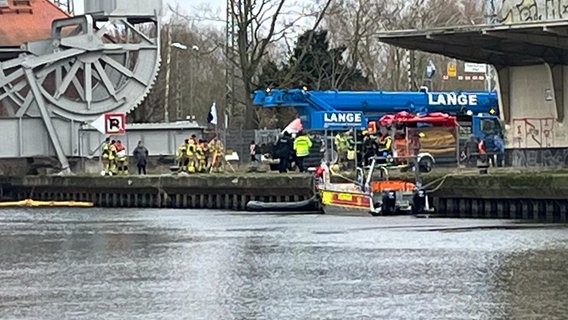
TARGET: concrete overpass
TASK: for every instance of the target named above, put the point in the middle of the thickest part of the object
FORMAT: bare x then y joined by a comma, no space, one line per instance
531,60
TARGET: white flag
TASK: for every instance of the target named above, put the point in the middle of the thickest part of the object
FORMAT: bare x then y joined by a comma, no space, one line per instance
212,116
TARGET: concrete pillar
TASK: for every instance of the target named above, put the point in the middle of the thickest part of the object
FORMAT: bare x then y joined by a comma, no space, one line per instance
550,209
564,211
475,208
556,73
488,210
450,207
462,205
504,93
500,208
525,207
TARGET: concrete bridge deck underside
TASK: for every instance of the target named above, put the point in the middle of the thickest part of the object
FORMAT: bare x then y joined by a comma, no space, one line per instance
531,60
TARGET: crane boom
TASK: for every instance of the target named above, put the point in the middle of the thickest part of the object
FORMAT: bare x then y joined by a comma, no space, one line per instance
374,104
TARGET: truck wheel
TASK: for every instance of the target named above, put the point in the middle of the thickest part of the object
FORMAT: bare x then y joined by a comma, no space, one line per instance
426,164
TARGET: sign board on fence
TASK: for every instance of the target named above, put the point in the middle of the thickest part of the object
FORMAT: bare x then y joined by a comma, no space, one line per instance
111,123
452,70
475,67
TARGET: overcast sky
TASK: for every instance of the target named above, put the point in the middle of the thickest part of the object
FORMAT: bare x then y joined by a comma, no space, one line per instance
188,7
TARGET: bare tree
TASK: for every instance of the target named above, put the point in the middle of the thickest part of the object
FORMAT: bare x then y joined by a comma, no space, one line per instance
360,21
356,23
260,27
260,23
205,66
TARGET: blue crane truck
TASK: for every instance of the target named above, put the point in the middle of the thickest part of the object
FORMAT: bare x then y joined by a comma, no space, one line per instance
477,112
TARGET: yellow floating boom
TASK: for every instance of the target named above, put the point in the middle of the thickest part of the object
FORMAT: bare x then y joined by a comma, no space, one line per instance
37,203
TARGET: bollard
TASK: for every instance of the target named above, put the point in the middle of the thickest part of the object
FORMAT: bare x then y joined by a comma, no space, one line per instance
483,164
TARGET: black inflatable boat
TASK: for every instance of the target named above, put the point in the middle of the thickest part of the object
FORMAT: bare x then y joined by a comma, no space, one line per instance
310,205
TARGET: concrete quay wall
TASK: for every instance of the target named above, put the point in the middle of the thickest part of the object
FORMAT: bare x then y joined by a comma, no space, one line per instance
196,191
529,195
526,196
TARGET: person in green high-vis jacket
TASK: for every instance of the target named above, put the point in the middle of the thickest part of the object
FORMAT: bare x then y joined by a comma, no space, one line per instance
302,145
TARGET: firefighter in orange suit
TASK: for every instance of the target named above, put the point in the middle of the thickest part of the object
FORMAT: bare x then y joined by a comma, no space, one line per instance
121,158
217,149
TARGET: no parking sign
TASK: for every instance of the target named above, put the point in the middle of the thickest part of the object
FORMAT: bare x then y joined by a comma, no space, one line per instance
115,123
111,123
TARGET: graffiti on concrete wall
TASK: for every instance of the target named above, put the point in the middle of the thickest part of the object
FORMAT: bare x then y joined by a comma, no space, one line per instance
533,132
555,157
533,10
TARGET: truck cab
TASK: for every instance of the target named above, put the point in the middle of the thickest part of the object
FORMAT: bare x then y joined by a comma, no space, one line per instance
483,125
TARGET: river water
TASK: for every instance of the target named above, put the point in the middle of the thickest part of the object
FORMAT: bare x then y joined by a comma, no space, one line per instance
184,264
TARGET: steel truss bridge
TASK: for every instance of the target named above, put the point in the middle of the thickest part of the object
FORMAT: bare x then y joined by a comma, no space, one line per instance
103,61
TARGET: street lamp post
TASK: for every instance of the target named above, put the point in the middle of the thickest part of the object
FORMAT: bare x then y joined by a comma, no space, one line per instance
194,53
168,61
178,80
168,57
178,88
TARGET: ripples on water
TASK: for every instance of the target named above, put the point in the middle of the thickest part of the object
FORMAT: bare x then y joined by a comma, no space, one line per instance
173,264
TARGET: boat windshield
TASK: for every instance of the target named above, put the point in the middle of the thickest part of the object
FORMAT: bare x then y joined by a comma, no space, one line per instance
384,164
